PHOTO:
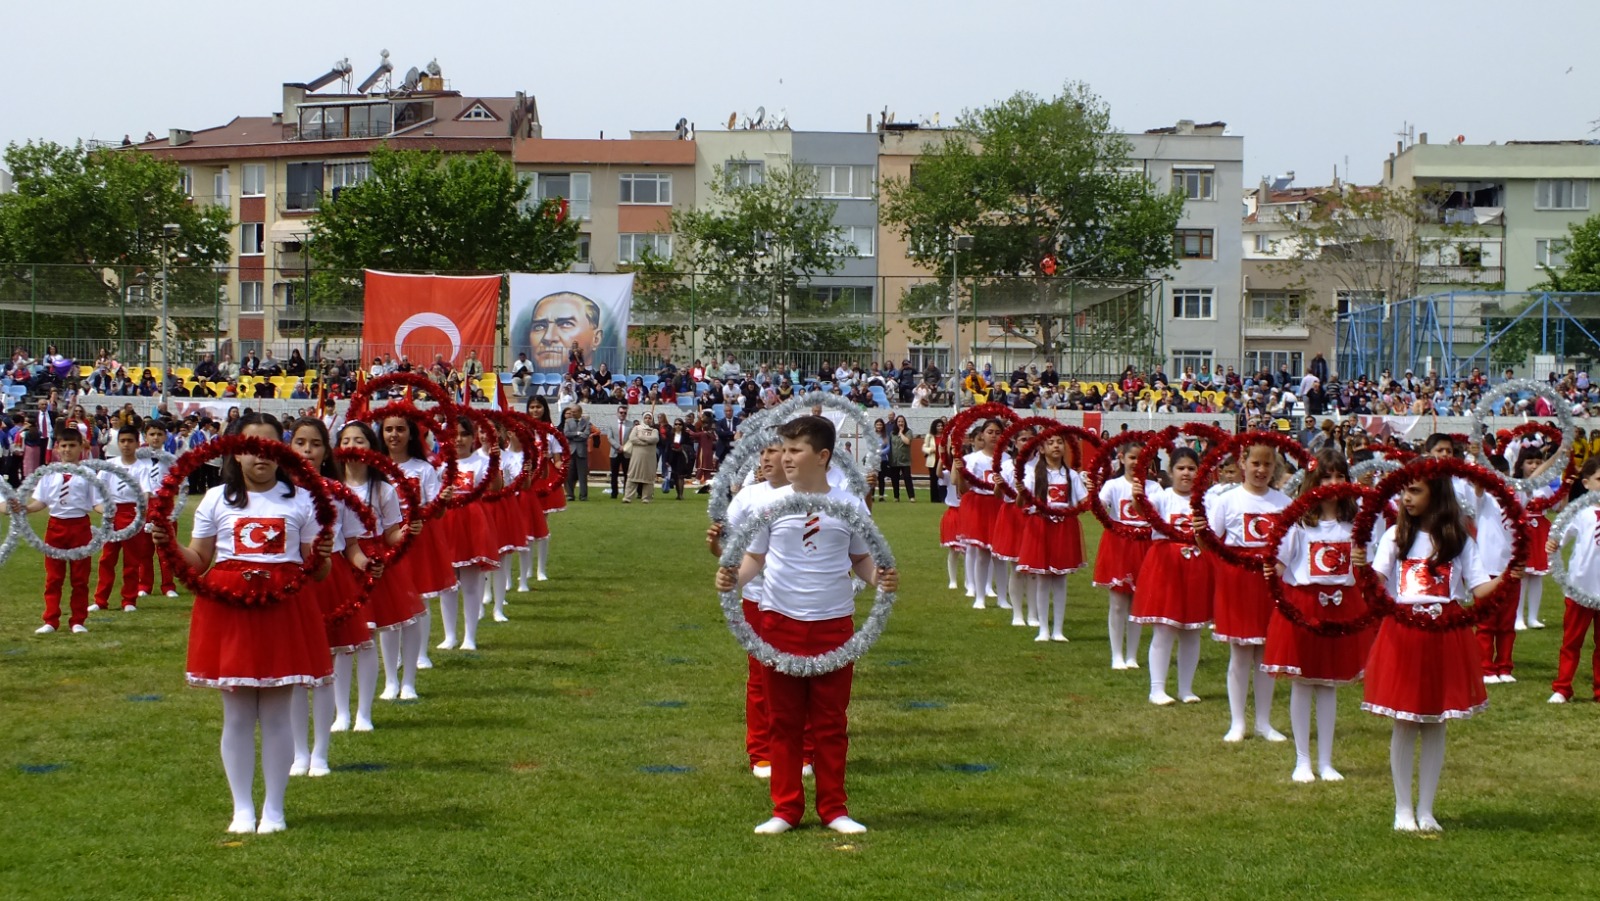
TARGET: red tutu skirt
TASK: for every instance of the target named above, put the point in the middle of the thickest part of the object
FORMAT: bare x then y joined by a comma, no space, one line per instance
264,646
394,601
508,523
1422,676
976,520
1050,547
1243,606
469,537
949,525
1005,541
1303,654
427,563
554,500
1538,533
1117,561
1174,587
538,524
353,631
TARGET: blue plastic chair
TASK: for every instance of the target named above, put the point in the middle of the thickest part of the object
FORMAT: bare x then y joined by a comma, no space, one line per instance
879,398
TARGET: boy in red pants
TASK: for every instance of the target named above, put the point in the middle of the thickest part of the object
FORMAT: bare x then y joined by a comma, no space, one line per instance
69,499
126,502
807,608
1584,571
155,438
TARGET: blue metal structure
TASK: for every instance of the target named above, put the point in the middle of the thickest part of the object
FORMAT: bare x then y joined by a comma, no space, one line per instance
1456,331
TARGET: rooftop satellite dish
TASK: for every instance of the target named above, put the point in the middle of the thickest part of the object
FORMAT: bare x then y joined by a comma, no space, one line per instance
412,77
682,128
761,116
733,119
781,120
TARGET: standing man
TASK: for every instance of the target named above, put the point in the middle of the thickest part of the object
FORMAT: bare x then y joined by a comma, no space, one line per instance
577,428
617,434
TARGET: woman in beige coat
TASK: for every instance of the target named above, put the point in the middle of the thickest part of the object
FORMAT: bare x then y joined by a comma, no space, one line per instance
641,450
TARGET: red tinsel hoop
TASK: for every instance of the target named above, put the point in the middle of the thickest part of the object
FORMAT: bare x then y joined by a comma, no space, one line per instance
480,424
1077,438
361,400
1216,441
519,424
1292,514
955,431
554,474
1236,447
369,522
1007,436
300,471
443,431
1099,467
410,498
1454,615
1538,506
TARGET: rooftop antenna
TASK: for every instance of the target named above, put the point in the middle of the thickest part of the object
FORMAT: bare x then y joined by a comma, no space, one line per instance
384,68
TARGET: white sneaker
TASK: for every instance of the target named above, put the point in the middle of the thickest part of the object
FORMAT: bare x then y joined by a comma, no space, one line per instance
172,594
761,772
408,693
1234,734
423,663
144,594
501,617
318,768
522,588
1507,679
1535,624
1558,698
846,826
390,692
1329,774
1491,680
806,770
130,609
45,629
774,826
95,608
244,822
1271,734
361,725
267,827
79,629
1303,774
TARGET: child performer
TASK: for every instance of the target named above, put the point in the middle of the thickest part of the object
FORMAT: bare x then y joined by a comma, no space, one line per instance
69,499
126,506
1173,594
1584,570
553,500
1118,560
1530,463
155,438
1424,678
1314,564
348,637
537,536
807,608
509,521
258,655
473,550
395,605
974,481
1052,543
427,563
950,530
1243,517
1005,538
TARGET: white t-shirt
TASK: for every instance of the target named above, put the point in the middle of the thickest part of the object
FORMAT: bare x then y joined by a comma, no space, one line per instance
1117,496
349,526
424,476
119,490
67,496
1174,509
1064,487
1007,472
270,528
1494,535
1244,519
510,464
1413,579
951,498
1319,554
470,472
385,503
808,562
154,472
1583,568
749,499
979,473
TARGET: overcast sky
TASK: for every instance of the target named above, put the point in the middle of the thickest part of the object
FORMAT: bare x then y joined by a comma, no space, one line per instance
1308,84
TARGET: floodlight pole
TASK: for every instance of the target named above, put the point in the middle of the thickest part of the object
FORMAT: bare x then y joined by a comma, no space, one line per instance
168,232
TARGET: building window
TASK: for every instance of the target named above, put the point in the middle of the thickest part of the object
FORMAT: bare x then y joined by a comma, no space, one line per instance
304,188
1256,361
1196,361
646,187
478,113
743,173
1194,184
1192,303
843,181
1263,244
186,181
250,297
1355,301
1550,253
842,299
631,247
1195,244
252,235
253,180
1561,194
347,174
921,355
1277,306
855,240
574,186
583,247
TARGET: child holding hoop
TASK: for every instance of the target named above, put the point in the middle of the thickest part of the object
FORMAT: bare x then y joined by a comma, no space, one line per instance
69,500
473,549
950,526
1531,462
1423,678
974,480
427,564
1584,570
155,438
1052,542
256,526
1118,560
1173,593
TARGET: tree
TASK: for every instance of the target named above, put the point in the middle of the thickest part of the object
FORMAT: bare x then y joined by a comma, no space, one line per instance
753,250
1032,180
1581,271
423,211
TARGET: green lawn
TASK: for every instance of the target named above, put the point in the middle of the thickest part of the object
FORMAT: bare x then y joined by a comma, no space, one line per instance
594,748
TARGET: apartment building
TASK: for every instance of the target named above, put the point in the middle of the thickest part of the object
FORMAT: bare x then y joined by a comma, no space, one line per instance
271,173
1289,308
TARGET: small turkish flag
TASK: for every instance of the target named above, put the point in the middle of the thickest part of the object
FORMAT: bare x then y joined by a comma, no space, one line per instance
259,535
1419,578
1057,494
1330,558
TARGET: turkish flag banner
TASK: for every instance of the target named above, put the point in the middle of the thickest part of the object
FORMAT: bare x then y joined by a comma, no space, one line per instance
423,316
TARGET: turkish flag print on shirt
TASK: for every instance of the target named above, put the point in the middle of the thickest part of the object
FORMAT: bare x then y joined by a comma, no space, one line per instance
1329,558
259,536
1257,527
424,315
1421,578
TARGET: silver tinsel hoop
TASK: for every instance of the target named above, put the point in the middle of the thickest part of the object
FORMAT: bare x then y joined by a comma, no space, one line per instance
167,461
21,529
107,522
761,429
1558,566
1563,417
1379,466
13,503
857,644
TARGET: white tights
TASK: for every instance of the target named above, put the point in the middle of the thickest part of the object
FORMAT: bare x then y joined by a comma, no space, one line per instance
1000,575
1429,766
470,591
500,583
1528,601
242,708
542,545
1124,635
978,562
426,628
1301,696
1162,638
318,704
366,666
952,567
1050,597
1244,663
401,647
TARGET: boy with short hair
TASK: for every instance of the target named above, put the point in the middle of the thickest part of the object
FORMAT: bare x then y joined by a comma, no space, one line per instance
69,500
155,438
125,503
807,608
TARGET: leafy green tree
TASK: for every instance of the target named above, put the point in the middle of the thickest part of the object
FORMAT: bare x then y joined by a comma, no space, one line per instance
1582,269
1031,178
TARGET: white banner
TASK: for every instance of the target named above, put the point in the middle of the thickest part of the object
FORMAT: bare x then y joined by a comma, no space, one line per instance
552,313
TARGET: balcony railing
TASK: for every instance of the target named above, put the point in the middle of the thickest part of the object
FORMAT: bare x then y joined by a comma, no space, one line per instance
299,201
1462,275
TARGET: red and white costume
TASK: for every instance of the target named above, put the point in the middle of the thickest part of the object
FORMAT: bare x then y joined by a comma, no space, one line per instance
352,631
1118,560
554,499
1052,544
1497,634
508,516
1005,535
1583,569
1174,584
1319,582
69,499
427,564
125,506
950,522
979,506
1243,605
395,601
470,541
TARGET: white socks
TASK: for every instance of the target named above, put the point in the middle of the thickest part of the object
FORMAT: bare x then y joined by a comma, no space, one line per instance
1000,576
1528,602
950,557
448,610
1241,663
1300,727
1429,766
277,753
1124,635
342,665
500,581
1162,638
366,686
426,627
969,559
413,641
1264,687
1049,600
524,566
543,547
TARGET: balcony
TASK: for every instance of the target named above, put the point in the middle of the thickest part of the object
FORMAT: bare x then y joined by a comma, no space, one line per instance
1461,275
1260,327
291,202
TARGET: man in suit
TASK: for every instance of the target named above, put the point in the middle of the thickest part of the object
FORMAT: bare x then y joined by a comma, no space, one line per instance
617,434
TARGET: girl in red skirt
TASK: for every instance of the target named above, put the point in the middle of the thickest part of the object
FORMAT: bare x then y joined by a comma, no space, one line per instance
474,550
1173,594
253,527
349,631
537,541
1052,543
1423,678
427,564
950,532
1314,564
1244,517
554,498
508,521
1531,461
1118,559
974,482
395,605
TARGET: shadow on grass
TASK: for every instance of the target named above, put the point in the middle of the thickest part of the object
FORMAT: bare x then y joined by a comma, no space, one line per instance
381,820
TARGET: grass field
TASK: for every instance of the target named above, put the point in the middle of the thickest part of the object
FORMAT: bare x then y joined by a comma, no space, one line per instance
594,748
